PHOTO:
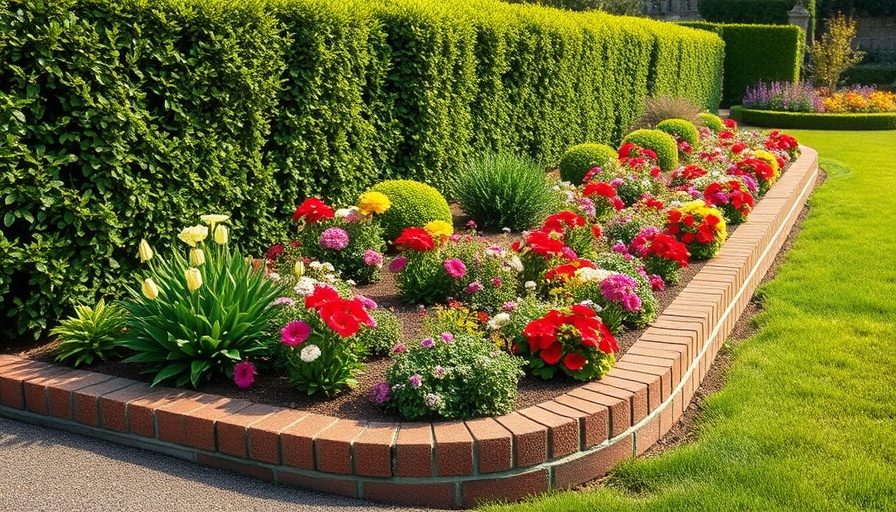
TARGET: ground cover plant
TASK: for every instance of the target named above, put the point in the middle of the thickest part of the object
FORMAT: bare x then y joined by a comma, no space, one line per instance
805,416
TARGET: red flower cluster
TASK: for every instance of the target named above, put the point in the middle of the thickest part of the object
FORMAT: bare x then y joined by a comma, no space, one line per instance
313,210
631,150
660,245
541,242
563,336
416,239
756,167
560,221
686,226
684,175
731,197
344,316
605,191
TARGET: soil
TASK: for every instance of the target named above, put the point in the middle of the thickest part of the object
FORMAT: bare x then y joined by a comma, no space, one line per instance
354,404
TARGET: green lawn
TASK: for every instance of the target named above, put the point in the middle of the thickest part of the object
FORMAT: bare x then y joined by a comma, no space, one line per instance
807,418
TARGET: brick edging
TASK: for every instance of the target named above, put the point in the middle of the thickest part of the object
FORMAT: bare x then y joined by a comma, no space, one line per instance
571,439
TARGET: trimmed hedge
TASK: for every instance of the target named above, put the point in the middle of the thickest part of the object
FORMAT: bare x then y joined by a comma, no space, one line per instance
756,12
814,121
127,119
880,74
756,52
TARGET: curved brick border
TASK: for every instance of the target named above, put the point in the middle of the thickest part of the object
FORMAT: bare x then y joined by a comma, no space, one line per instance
566,441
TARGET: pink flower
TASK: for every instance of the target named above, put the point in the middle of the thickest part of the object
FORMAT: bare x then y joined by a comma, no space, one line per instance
497,282
333,238
295,333
373,258
399,349
243,374
415,380
455,268
379,393
366,302
471,224
398,264
427,343
447,337
508,306
474,287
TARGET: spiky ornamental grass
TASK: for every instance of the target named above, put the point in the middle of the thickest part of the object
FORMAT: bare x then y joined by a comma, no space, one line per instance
91,334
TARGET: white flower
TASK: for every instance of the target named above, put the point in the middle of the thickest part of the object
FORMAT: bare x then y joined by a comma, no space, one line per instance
213,219
505,229
304,286
315,265
498,321
530,285
514,263
595,275
350,282
351,214
275,277
309,353
193,235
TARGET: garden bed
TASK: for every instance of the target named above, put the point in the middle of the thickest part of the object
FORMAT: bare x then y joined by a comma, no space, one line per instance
814,120
569,439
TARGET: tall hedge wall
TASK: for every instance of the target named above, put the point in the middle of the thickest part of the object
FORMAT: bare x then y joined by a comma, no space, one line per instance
126,119
757,12
756,52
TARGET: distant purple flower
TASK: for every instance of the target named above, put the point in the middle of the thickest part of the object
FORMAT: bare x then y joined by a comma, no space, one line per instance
398,264
415,380
474,287
379,393
373,258
621,288
366,302
587,206
620,248
471,224
284,301
508,306
333,238
454,238
427,343
455,268
447,337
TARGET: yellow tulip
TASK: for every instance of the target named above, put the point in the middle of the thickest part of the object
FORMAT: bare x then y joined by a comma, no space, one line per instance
150,290
299,268
213,219
193,235
221,234
144,251
194,278
197,257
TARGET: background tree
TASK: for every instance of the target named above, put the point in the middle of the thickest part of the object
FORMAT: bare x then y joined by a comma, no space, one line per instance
834,54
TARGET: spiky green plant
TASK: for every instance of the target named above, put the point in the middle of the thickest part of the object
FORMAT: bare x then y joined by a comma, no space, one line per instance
91,334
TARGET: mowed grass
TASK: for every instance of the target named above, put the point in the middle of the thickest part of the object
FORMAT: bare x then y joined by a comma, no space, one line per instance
807,418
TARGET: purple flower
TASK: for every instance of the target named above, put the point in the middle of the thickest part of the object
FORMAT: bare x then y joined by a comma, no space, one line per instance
366,302
474,287
415,380
398,264
471,224
508,306
243,374
379,393
587,206
455,268
373,258
656,283
333,238
284,301
569,253
620,248
621,288
427,343
447,337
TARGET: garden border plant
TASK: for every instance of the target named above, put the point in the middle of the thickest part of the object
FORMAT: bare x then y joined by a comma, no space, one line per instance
814,120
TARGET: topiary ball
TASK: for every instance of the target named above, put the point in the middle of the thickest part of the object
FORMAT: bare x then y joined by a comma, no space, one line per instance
580,159
659,142
681,129
413,204
711,121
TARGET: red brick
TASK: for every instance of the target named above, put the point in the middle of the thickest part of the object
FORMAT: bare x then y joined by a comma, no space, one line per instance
7,360
653,383
682,347
170,420
441,495
113,407
298,440
35,391
666,421
593,465
563,432
200,425
232,430
454,449
620,409
647,435
61,396
12,393
142,410
493,445
414,450
512,488
637,395
87,399
662,358
340,486
372,450
243,468
333,446
264,436
663,373
596,426
530,439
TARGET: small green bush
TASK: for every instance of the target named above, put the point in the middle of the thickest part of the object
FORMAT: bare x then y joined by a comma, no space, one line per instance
681,130
580,159
660,143
711,121
456,377
413,204
386,334
92,334
504,190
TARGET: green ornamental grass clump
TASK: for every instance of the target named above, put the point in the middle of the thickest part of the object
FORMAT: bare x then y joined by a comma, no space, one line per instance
91,334
681,129
578,160
711,121
413,204
504,190
660,143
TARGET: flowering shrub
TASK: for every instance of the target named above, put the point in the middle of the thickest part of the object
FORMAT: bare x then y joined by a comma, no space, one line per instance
731,197
803,97
450,377
199,312
571,339
701,228
386,334
661,253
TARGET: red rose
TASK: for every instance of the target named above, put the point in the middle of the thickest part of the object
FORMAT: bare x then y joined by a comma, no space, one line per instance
313,209
574,361
416,239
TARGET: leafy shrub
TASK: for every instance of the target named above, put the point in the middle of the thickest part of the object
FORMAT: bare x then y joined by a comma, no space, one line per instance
833,54
451,377
880,74
756,12
580,159
711,121
815,121
92,334
414,204
503,190
194,319
660,143
681,129
384,336
661,108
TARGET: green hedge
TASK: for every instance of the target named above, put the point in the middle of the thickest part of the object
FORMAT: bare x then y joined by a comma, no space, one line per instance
814,121
871,75
757,12
756,52
126,119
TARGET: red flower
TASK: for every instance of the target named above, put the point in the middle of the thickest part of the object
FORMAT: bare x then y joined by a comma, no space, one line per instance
574,361
596,232
557,221
416,239
542,243
705,234
600,188
730,123
626,149
568,270
607,341
540,333
738,147
313,209
321,296
674,216
551,355
274,252
345,316
688,220
482,316
687,238
712,220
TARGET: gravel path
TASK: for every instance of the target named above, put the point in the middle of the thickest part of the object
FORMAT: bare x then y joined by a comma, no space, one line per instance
44,469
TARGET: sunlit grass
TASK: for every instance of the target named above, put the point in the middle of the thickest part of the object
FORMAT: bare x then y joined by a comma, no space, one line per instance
807,418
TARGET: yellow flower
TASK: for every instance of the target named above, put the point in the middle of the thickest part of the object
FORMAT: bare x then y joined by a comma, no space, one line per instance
299,268
194,278
770,159
193,235
213,219
150,290
373,202
197,257
221,235
439,228
144,251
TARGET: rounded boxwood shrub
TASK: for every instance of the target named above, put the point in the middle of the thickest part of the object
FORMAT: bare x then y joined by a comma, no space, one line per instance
659,142
711,121
413,204
681,129
580,159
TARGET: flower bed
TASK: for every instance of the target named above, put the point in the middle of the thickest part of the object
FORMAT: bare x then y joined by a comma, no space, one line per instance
814,121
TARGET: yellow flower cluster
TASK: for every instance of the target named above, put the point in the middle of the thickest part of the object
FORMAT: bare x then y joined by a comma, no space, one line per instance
851,101
770,159
373,202
699,209
439,229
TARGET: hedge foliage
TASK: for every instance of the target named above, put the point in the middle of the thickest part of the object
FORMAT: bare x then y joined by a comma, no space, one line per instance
756,52
125,119
757,12
814,121
884,74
